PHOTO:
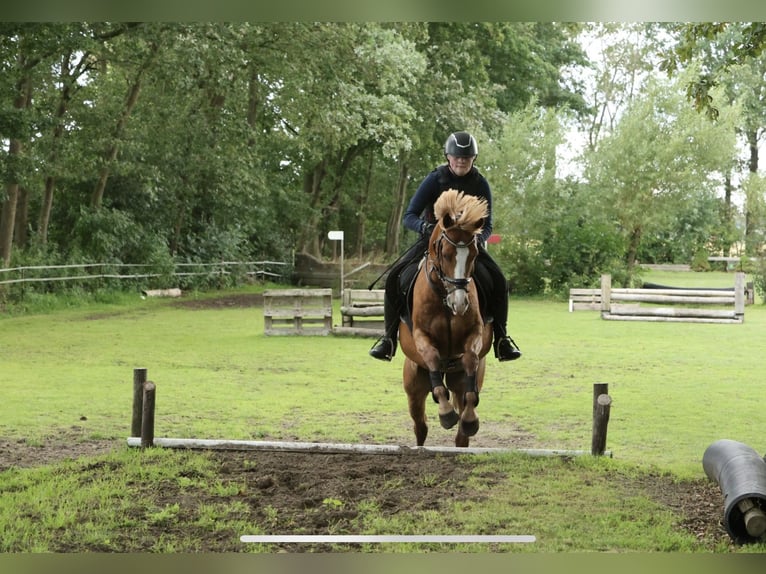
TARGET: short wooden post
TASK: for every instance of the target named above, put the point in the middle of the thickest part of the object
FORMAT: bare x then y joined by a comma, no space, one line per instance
139,378
602,403
147,418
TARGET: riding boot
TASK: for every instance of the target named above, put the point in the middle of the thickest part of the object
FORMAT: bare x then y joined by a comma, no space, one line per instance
505,347
385,347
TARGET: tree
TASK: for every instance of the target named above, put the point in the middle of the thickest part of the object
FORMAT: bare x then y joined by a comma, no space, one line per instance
662,158
625,56
26,51
730,62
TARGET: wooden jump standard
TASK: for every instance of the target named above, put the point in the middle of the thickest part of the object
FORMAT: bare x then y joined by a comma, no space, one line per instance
690,305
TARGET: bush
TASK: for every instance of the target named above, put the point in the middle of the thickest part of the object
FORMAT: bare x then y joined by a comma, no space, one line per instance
525,271
700,261
759,278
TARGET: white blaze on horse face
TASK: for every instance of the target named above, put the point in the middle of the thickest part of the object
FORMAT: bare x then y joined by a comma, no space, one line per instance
458,299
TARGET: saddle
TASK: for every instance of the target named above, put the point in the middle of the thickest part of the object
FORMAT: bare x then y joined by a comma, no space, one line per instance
407,279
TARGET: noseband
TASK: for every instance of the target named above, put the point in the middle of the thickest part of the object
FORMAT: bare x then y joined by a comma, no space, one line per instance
449,284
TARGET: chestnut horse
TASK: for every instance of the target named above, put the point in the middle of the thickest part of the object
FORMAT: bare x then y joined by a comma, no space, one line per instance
448,341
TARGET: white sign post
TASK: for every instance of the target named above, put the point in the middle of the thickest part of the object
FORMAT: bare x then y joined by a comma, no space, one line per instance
338,236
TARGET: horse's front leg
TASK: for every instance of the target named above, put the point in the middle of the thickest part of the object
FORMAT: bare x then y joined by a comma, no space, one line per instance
448,418
469,420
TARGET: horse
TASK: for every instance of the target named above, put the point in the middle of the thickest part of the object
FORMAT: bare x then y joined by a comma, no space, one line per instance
448,340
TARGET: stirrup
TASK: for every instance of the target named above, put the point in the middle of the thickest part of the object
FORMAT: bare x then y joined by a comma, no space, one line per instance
383,349
510,353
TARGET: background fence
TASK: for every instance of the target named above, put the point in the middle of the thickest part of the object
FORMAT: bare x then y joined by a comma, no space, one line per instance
36,274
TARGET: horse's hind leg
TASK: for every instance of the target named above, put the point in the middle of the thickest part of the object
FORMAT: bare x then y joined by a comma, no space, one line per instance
469,420
466,398
456,383
416,386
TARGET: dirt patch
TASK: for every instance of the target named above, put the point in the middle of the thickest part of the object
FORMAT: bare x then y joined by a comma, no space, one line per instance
320,493
312,493
21,453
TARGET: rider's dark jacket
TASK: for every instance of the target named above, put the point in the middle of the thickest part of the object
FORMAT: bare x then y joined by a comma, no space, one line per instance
421,207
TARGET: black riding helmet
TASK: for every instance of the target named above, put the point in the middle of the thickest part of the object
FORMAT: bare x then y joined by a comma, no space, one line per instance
461,144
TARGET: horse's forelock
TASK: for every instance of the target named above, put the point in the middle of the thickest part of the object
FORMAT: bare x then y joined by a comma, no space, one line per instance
466,211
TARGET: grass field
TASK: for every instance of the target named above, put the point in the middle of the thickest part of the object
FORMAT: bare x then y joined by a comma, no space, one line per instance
676,388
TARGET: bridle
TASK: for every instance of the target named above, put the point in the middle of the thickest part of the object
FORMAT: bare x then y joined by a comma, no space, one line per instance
448,284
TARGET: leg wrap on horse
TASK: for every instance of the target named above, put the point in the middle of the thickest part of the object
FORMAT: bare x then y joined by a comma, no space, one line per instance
472,387
437,380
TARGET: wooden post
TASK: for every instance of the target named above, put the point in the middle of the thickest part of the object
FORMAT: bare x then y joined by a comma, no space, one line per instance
139,378
739,295
598,390
147,418
601,406
606,294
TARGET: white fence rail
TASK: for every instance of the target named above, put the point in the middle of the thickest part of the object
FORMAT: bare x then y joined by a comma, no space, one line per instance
31,274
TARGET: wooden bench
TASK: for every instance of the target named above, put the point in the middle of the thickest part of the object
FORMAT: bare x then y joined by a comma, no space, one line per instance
297,312
362,313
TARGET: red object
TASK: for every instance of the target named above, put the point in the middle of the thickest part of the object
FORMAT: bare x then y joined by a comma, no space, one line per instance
494,238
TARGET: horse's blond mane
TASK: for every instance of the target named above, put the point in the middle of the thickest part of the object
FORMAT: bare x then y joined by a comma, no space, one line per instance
465,211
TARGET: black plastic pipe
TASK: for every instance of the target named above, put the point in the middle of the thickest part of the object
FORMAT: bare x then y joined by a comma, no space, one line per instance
741,474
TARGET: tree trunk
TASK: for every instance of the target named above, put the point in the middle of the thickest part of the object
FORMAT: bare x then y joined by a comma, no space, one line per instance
253,103
324,203
8,220
312,186
45,210
728,213
111,154
752,142
68,76
361,220
21,226
750,222
633,244
8,217
395,220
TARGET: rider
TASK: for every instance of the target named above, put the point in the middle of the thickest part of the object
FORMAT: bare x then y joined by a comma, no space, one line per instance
458,173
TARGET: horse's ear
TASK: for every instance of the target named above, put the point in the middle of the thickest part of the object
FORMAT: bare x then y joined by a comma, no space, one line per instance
447,222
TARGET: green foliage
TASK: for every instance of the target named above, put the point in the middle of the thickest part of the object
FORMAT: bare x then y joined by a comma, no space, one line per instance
555,235
700,261
578,250
722,46
161,142
759,279
524,268
108,235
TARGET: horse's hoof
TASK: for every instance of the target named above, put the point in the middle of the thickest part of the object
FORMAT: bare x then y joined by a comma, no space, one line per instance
469,428
449,420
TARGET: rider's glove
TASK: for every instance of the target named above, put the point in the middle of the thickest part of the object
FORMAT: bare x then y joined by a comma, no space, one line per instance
426,229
